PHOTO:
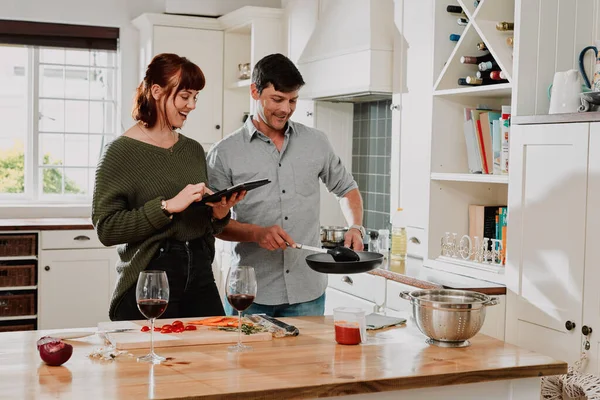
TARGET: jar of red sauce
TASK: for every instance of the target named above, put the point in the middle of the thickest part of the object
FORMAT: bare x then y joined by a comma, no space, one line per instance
350,326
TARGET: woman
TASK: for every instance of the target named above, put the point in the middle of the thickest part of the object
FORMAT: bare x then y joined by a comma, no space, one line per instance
148,183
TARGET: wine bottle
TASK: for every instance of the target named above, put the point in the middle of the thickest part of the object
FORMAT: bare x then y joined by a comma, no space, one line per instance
454,37
476,3
462,21
497,75
505,26
476,60
454,9
488,65
510,41
481,46
473,80
463,82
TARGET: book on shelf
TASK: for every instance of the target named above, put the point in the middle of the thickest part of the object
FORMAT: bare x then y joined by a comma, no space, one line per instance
486,145
489,222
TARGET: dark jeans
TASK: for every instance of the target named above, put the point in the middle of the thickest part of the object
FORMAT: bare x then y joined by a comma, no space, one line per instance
308,308
192,288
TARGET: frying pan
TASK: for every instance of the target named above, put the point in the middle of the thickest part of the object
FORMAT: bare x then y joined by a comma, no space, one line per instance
325,263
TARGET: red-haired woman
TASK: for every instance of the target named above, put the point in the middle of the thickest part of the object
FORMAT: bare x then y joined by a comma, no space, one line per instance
148,183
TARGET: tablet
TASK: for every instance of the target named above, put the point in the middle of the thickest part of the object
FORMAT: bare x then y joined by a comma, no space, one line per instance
215,197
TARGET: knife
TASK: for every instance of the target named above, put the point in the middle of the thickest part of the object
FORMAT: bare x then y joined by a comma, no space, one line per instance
292,330
81,334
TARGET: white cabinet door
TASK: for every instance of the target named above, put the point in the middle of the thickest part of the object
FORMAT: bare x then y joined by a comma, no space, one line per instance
74,287
204,48
591,311
305,113
546,237
335,298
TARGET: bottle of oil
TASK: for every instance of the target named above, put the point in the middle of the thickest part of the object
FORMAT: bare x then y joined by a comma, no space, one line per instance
398,236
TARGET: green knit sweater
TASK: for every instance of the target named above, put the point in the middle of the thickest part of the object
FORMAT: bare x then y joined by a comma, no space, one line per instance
131,180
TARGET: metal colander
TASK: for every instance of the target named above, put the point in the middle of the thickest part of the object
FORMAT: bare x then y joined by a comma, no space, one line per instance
449,316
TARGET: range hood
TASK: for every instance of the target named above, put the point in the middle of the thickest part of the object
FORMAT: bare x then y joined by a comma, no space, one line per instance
349,56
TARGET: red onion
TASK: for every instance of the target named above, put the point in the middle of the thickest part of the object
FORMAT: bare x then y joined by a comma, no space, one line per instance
54,351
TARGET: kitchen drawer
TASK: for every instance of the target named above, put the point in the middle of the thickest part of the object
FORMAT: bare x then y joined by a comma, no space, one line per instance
393,300
70,239
366,286
335,298
415,245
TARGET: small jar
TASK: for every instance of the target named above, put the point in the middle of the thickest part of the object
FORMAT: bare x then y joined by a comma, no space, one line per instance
374,242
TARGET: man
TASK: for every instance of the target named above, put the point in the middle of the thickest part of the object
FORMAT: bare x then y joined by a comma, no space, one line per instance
294,157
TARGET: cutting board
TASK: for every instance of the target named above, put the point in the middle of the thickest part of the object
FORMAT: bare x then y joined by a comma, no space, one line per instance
136,339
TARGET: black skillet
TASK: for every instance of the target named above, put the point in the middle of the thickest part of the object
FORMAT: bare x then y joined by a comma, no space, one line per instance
341,260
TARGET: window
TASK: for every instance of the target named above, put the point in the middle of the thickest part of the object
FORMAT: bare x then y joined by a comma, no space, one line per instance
58,108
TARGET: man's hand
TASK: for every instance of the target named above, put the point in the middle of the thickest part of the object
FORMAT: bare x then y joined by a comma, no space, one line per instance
353,240
273,238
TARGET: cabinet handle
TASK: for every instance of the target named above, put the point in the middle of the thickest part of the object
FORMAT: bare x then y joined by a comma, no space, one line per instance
46,268
348,280
81,238
570,325
309,113
217,126
586,330
414,240
394,107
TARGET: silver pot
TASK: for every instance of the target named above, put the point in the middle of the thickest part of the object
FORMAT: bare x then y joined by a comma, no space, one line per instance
449,317
333,234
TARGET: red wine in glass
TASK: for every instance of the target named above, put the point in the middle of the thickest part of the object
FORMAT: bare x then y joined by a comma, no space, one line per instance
152,308
152,296
241,290
240,301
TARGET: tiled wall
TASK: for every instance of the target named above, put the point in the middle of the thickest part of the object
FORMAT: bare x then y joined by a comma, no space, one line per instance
371,157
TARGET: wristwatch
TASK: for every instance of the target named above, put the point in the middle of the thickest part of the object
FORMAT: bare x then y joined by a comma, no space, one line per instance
361,229
163,207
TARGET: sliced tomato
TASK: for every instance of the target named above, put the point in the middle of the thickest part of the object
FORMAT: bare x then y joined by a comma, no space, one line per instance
145,328
157,329
191,328
168,326
176,323
178,329
166,330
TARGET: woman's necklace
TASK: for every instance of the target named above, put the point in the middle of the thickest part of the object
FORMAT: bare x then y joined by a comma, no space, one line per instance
158,144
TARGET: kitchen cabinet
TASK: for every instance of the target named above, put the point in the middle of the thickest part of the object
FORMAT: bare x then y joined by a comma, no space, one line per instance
551,204
76,278
336,298
364,291
201,41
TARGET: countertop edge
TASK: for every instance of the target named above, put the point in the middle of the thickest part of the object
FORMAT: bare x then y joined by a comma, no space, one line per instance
44,224
566,118
403,383
408,280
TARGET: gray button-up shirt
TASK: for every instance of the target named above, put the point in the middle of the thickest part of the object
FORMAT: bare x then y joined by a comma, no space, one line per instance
291,200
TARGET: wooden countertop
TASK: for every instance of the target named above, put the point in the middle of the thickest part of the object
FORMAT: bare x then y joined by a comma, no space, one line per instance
591,116
428,278
310,365
45,224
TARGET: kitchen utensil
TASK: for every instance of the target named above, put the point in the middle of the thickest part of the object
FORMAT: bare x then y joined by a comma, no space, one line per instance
594,85
350,325
565,92
378,321
449,317
136,339
590,101
325,263
81,334
333,234
152,296
339,253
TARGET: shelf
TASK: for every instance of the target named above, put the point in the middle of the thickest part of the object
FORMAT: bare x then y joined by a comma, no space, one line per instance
486,272
15,288
240,84
492,91
477,178
18,317
18,258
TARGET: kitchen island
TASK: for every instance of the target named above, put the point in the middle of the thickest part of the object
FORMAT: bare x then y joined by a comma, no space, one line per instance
307,366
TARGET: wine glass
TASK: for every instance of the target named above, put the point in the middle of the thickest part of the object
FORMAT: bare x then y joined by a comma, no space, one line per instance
241,291
152,295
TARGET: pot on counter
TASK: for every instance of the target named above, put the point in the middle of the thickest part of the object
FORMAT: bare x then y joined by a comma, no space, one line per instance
332,236
449,317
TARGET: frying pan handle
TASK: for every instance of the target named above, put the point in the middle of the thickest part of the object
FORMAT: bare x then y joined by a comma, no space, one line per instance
405,295
492,302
